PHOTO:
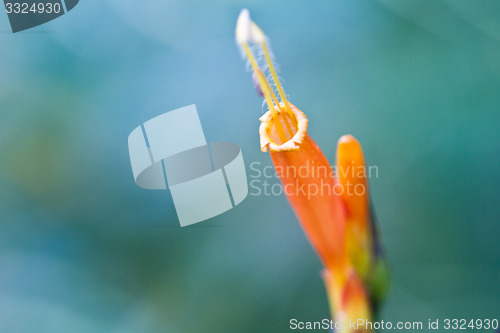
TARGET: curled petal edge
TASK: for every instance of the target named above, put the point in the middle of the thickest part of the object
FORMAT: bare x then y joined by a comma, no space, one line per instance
293,144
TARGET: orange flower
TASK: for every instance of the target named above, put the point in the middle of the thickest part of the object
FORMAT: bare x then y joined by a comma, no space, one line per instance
308,182
337,224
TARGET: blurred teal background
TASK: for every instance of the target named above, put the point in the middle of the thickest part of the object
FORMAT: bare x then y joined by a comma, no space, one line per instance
83,249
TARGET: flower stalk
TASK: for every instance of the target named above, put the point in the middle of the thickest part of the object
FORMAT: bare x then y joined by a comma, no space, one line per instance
337,222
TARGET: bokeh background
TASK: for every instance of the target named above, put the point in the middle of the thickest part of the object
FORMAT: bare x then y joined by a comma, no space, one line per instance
83,249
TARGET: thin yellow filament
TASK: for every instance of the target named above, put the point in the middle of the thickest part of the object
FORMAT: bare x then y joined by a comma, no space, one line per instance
273,95
276,80
248,32
266,91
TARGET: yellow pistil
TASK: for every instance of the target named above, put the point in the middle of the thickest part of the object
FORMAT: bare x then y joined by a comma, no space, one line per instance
248,32
263,86
260,37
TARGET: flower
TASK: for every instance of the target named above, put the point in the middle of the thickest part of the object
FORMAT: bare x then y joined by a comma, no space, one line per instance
338,224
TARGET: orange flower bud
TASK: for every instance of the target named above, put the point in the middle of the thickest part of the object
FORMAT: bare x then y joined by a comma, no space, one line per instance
352,175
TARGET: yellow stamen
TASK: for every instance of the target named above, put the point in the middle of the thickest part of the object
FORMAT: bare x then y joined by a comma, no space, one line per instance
247,32
264,87
289,127
276,80
258,35
273,95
